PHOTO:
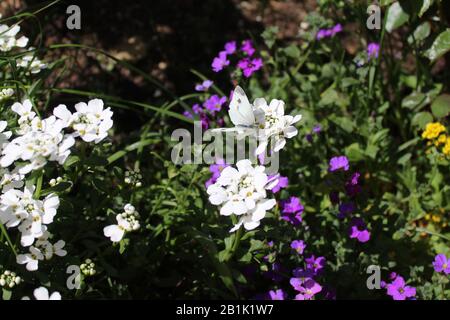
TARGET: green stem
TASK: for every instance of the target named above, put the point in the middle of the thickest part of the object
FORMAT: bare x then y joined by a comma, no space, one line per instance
237,241
37,192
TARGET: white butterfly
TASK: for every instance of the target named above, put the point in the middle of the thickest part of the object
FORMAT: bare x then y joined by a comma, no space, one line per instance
241,114
263,120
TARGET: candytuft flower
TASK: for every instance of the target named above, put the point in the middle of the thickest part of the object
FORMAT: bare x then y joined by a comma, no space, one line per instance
127,221
241,191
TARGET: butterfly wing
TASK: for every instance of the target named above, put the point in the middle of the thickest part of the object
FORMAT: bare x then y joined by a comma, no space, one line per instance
241,111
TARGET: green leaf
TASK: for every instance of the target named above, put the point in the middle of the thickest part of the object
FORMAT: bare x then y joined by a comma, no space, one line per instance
396,17
440,46
421,119
292,51
425,6
6,294
441,106
344,123
354,152
269,35
421,33
414,100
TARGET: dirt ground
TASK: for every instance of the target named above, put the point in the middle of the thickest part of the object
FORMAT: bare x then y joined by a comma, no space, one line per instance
164,38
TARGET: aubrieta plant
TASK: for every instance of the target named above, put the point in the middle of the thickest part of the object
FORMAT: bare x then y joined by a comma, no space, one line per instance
358,118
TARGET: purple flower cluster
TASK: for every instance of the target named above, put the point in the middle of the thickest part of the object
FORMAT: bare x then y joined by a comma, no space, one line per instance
292,210
358,229
248,63
210,107
329,33
303,281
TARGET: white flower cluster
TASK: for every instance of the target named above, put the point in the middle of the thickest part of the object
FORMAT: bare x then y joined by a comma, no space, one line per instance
8,39
36,142
273,124
242,192
9,279
40,141
90,122
42,293
127,221
41,250
30,216
8,42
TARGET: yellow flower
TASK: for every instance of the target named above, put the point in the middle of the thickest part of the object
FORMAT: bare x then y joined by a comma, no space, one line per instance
441,140
433,130
436,218
446,149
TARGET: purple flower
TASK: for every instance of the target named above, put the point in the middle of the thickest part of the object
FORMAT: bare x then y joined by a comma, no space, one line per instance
205,85
282,183
441,264
249,66
373,49
352,186
220,62
298,245
336,29
327,33
315,265
322,33
292,211
292,205
358,230
230,47
247,47
309,289
214,103
277,295
337,163
197,108
187,114
317,128
398,289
